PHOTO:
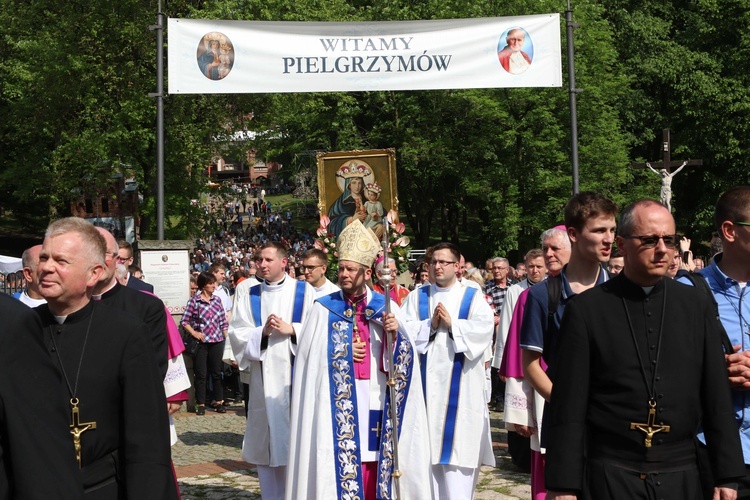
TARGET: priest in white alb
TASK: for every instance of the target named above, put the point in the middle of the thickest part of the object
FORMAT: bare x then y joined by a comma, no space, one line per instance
342,436
452,325
263,333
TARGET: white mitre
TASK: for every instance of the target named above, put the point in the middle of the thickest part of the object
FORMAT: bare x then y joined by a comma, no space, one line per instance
358,244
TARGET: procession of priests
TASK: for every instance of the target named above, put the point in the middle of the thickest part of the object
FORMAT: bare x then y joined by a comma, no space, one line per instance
353,396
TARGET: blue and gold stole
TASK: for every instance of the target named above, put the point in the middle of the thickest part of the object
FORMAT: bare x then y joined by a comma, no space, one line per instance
458,366
343,395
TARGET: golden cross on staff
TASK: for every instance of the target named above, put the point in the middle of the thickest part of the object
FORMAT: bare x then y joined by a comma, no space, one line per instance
77,427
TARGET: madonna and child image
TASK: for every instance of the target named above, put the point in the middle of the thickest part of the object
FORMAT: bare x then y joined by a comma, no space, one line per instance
215,55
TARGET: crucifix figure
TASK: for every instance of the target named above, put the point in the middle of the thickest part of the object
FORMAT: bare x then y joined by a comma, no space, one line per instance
665,195
650,427
664,170
77,428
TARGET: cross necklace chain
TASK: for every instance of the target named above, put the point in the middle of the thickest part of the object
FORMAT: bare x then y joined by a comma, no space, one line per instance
649,427
76,426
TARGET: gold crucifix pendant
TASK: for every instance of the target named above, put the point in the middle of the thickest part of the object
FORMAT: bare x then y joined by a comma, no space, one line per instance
650,427
77,427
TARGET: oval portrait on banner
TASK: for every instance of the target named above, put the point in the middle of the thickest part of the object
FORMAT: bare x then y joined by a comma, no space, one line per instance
515,51
215,55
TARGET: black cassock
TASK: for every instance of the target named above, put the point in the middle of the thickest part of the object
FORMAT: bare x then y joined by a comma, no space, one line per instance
146,308
599,390
127,455
36,453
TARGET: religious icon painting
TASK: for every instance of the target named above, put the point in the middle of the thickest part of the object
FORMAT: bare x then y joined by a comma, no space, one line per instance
357,185
215,56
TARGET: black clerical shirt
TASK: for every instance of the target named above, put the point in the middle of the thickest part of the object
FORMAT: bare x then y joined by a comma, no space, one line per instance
599,387
120,389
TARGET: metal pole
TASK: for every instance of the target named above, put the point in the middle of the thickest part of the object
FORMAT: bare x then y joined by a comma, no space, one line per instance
573,91
159,28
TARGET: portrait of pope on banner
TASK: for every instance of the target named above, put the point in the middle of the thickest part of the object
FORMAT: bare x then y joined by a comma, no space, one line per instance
517,53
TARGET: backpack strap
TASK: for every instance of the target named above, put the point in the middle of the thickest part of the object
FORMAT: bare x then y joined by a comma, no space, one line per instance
554,294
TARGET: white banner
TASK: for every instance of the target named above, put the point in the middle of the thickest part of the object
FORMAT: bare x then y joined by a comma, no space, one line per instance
226,57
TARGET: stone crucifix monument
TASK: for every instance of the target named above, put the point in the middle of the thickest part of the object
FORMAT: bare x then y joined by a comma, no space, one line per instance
663,169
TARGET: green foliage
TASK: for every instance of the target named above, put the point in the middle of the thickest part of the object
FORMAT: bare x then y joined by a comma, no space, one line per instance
489,168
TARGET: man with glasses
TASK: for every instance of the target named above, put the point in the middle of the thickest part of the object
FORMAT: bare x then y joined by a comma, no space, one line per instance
727,275
498,287
452,326
125,257
638,370
314,266
590,224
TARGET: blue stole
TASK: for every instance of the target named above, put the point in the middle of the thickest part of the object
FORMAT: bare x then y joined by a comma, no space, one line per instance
299,306
299,303
343,395
458,365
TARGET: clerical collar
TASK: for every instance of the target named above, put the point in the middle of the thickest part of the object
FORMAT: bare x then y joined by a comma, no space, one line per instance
110,287
447,288
632,285
61,319
278,283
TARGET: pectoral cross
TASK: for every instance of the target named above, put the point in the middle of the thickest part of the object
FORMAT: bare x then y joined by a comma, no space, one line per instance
377,429
649,427
77,427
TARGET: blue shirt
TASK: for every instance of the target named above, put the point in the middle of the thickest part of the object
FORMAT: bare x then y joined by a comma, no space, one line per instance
734,311
535,316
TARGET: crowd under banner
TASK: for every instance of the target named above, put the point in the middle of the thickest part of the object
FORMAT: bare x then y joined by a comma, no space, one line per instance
231,57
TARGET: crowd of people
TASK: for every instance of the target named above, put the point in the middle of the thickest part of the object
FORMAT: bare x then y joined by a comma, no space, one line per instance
620,361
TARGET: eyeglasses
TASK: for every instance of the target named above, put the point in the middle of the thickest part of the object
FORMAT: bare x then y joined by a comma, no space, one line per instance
650,241
741,223
442,263
309,268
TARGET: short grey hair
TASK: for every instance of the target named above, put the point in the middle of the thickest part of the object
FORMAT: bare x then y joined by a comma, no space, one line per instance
555,233
94,246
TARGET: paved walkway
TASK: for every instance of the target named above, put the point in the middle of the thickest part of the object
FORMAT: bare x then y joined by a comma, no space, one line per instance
209,464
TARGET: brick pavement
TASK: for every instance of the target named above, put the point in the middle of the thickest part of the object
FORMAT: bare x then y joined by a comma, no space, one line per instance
208,461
